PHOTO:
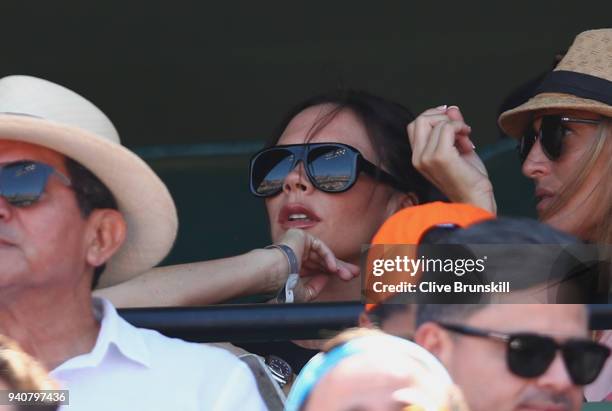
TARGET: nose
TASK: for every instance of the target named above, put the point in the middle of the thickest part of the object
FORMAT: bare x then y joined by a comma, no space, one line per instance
6,210
297,181
536,164
556,378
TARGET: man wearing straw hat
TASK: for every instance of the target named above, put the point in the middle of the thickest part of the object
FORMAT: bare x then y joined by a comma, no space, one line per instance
74,205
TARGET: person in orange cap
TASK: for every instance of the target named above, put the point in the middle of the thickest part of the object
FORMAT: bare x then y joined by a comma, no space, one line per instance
399,235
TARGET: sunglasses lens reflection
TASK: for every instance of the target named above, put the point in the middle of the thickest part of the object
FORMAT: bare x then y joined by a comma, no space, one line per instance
331,167
23,183
269,171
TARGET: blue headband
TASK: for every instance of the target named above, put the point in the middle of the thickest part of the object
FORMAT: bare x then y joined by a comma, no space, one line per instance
322,363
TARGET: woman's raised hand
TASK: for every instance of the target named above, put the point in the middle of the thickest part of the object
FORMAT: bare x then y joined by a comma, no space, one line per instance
443,152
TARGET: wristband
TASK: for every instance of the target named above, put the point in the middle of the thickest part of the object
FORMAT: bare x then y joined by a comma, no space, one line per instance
285,295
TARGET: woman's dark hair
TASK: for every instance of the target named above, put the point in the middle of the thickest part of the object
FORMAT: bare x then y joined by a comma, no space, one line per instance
385,124
91,194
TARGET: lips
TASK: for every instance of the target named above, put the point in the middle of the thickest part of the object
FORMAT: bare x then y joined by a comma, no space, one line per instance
7,236
297,216
544,198
5,244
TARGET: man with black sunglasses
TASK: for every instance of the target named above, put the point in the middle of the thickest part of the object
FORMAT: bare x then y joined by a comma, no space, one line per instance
74,205
514,356
517,356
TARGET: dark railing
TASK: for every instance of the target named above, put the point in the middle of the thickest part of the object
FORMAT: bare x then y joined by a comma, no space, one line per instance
271,322
247,322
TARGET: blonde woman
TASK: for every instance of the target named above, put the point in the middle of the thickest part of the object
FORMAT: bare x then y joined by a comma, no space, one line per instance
565,144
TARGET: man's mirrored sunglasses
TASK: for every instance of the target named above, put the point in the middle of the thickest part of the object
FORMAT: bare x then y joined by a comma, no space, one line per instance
23,182
330,167
529,355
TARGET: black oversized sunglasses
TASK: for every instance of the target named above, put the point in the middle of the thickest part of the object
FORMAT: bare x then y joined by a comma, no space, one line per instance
529,355
23,182
551,135
330,167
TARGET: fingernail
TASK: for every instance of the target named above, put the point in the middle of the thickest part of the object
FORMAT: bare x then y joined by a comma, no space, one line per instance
457,107
442,107
473,146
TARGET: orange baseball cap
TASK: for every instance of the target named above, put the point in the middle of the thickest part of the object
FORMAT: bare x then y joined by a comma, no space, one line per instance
407,227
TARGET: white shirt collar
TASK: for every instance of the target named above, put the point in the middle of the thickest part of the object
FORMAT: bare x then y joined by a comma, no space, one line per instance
115,334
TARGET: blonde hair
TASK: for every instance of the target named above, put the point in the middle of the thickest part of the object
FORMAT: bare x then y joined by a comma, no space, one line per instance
602,192
20,371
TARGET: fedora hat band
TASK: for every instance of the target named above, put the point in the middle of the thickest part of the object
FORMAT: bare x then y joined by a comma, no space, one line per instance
577,84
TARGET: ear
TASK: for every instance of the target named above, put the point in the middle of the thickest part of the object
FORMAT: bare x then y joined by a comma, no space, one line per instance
106,233
401,200
435,340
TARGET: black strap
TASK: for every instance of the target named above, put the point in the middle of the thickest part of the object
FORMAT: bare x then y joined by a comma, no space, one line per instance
577,84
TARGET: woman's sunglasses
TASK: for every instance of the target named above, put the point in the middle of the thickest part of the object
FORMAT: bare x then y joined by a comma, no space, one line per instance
529,355
23,182
551,135
330,167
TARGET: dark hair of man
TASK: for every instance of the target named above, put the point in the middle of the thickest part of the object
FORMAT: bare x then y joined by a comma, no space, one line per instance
393,305
385,124
91,194
518,258
383,312
445,312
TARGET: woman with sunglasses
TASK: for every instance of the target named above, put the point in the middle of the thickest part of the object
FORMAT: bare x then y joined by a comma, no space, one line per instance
565,135
336,170
331,175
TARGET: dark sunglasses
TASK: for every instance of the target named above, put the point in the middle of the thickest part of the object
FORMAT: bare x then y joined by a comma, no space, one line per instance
23,182
551,134
330,167
529,355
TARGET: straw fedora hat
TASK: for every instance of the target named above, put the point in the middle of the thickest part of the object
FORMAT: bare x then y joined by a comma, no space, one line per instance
40,112
581,81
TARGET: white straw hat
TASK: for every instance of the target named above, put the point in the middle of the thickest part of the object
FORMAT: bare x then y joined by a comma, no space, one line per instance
40,112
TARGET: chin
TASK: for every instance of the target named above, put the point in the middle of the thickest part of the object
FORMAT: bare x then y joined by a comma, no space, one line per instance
560,222
565,225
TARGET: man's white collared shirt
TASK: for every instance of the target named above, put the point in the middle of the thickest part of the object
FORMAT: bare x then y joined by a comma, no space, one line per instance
133,369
